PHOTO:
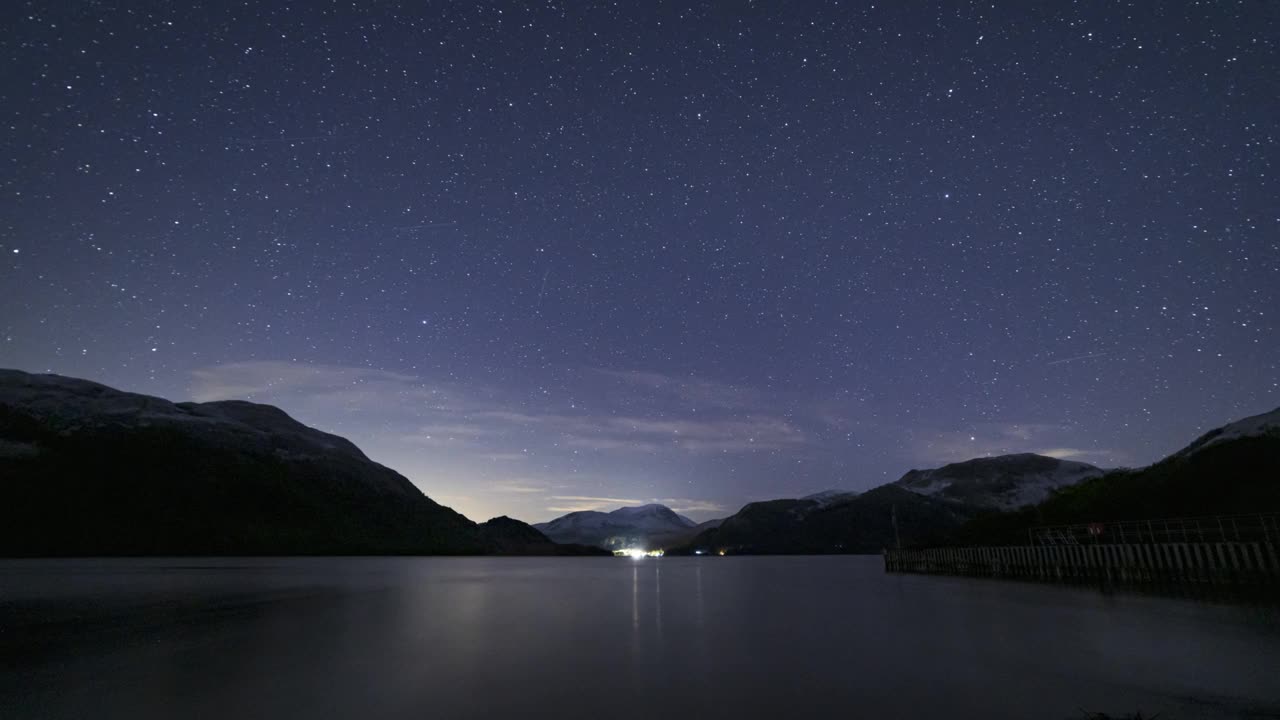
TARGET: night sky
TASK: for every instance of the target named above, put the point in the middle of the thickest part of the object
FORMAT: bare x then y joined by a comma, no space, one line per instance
571,256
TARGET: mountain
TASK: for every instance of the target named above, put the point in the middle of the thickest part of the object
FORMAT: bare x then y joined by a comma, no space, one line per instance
862,524
831,497
1266,425
90,470
1005,482
929,506
651,517
1233,470
646,526
708,524
507,536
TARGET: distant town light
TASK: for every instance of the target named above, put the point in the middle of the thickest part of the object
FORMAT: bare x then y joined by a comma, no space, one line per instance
637,553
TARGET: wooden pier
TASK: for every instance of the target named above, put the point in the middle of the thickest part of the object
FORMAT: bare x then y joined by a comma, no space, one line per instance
1237,551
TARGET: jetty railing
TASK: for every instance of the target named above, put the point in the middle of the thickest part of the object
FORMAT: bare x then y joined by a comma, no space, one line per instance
1232,550
1263,527
1166,563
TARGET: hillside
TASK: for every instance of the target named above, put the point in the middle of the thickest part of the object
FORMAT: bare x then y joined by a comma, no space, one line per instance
862,524
1004,482
507,536
90,470
1231,470
650,526
929,505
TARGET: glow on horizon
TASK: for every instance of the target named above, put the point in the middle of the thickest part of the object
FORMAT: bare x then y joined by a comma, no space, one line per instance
638,553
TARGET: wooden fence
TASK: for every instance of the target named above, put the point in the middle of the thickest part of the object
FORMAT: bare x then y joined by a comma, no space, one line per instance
1226,563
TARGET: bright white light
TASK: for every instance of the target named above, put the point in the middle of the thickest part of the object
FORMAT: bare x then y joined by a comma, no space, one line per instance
636,553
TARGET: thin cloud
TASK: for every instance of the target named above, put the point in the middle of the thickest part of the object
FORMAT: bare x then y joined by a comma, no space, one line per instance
450,500
340,389
581,503
455,428
691,391
504,456
990,439
603,443
648,434
462,418
684,505
1079,454
498,433
451,434
520,488
244,380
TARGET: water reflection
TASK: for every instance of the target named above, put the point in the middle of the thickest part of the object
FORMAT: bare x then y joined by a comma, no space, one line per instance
657,599
739,637
635,604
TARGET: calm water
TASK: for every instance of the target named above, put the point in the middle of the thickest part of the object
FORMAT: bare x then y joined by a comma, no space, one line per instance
604,637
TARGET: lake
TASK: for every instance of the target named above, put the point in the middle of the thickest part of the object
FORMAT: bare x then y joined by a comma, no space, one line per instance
740,637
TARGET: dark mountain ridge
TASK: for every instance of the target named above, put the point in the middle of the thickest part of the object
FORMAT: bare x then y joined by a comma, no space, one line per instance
651,526
1232,470
1003,482
90,470
868,523
923,507
508,536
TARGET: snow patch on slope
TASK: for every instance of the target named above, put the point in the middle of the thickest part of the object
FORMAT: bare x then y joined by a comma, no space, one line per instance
1254,426
651,517
1004,483
643,518
646,526
71,405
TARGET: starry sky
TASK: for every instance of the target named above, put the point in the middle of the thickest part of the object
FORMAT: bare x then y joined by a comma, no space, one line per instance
543,257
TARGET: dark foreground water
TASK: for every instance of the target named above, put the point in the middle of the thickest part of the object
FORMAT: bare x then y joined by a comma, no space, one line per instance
607,638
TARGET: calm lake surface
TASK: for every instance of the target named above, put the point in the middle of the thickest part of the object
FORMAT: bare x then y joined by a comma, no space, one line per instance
767,637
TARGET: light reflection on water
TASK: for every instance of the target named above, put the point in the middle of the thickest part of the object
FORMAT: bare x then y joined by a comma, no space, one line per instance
569,637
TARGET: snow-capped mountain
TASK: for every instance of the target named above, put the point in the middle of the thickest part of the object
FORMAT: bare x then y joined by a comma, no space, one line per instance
1264,425
646,526
859,523
652,517
1232,470
1228,471
1005,482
